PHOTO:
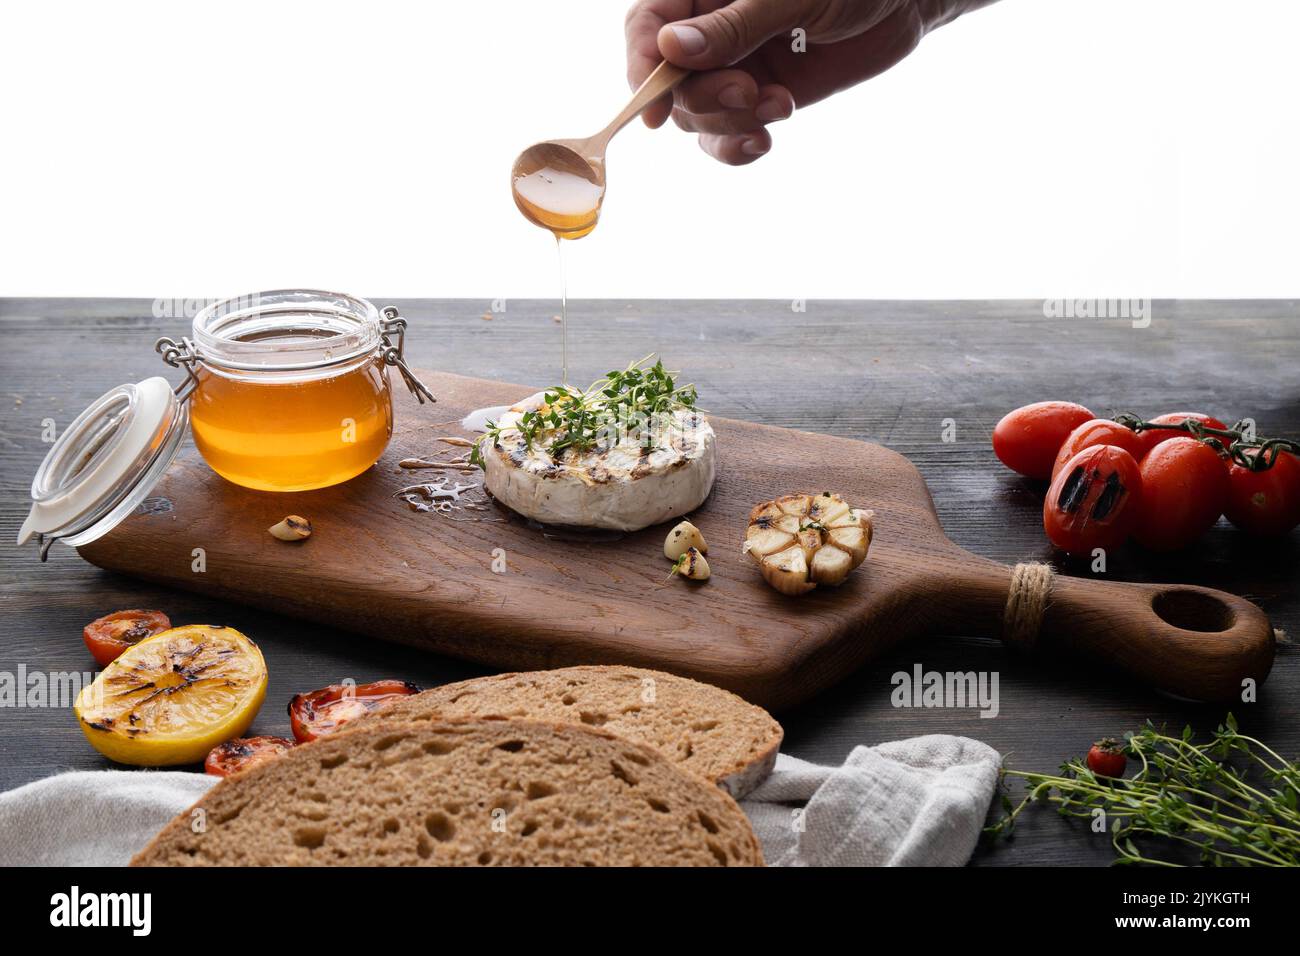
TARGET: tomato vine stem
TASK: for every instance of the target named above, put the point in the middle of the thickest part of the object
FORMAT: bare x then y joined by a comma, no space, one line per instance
1238,443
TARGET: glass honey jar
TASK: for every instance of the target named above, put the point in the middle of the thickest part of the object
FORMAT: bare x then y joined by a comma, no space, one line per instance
284,391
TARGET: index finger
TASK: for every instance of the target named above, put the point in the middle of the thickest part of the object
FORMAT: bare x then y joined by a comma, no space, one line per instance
641,29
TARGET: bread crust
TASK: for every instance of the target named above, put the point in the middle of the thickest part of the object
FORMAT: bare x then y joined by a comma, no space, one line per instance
175,844
737,775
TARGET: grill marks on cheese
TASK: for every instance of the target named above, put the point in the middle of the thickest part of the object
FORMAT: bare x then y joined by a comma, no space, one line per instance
684,439
625,486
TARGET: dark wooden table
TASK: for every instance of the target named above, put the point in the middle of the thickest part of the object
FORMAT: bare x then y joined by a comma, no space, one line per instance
890,372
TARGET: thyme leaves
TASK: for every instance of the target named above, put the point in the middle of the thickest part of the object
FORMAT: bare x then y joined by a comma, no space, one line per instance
629,401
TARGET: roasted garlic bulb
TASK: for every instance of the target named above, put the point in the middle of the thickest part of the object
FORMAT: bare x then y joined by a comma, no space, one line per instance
801,541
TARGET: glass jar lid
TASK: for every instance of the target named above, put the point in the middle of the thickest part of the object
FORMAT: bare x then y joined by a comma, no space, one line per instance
286,330
105,463
108,461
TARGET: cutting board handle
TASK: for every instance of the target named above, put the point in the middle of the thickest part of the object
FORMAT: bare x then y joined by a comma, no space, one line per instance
1191,641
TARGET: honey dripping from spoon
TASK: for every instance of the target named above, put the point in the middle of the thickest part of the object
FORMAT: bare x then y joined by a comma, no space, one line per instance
560,184
560,191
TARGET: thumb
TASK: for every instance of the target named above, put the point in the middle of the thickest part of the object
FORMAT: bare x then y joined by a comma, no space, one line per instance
726,35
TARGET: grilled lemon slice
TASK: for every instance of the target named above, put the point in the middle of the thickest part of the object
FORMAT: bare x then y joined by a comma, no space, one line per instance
801,541
174,696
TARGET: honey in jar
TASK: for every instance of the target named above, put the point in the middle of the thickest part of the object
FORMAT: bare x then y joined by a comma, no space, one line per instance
291,391
284,391
278,432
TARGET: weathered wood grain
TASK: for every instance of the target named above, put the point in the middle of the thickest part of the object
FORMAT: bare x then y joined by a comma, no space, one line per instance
376,567
889,372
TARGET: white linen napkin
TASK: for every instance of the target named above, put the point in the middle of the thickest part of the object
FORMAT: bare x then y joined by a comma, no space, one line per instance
92,817
918,802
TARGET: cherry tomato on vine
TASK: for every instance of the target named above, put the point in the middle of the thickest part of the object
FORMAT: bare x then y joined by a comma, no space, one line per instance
1265,502
1106,758
1184,490
326,710
1027,439
243,753
1098,431
1155,436
1093,501
108,636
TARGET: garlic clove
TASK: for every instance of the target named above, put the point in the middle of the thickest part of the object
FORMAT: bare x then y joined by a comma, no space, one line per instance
796,505
849,519
787,523
692,566
292,528
685,535
787,571
826,509
852,540
830,566
810,539
763,541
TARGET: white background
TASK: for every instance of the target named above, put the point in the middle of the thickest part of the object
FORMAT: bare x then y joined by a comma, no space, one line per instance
1036,148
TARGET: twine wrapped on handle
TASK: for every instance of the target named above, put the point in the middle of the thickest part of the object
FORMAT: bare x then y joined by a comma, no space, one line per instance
1027,601
1030,596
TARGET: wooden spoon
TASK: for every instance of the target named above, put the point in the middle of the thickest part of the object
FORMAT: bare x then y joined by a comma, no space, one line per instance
559,184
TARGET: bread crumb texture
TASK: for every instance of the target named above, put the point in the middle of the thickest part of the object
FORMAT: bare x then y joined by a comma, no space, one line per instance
701,728
462,793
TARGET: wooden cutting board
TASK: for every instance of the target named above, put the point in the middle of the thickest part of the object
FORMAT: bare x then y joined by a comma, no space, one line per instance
377,567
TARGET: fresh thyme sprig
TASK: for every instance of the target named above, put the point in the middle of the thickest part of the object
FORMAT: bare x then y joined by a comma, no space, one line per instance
1243,811
622,402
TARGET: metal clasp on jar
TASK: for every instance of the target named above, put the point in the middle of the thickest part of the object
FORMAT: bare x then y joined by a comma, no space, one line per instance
393,354
178,354
185,354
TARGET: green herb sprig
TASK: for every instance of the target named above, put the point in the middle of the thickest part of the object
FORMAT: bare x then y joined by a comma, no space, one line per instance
621,401
1232,800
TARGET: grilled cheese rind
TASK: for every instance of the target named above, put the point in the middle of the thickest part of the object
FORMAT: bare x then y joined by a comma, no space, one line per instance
620,483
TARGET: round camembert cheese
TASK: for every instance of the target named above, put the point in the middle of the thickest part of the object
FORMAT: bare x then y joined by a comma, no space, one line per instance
621,482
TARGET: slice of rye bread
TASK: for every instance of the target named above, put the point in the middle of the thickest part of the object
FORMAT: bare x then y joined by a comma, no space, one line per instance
462,792
699,727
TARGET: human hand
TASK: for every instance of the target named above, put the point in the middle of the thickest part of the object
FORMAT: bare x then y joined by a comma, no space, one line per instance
750,69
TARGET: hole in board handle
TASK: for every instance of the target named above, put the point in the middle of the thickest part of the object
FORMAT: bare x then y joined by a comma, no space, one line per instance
1193,611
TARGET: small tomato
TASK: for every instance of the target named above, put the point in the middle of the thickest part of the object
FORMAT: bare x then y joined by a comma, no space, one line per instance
1027,439
1093,500
1106,758
1154,436
1184,490
1265,502
1098,431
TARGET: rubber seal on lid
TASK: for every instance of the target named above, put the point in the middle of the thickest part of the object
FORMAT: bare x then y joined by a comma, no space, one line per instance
105,463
